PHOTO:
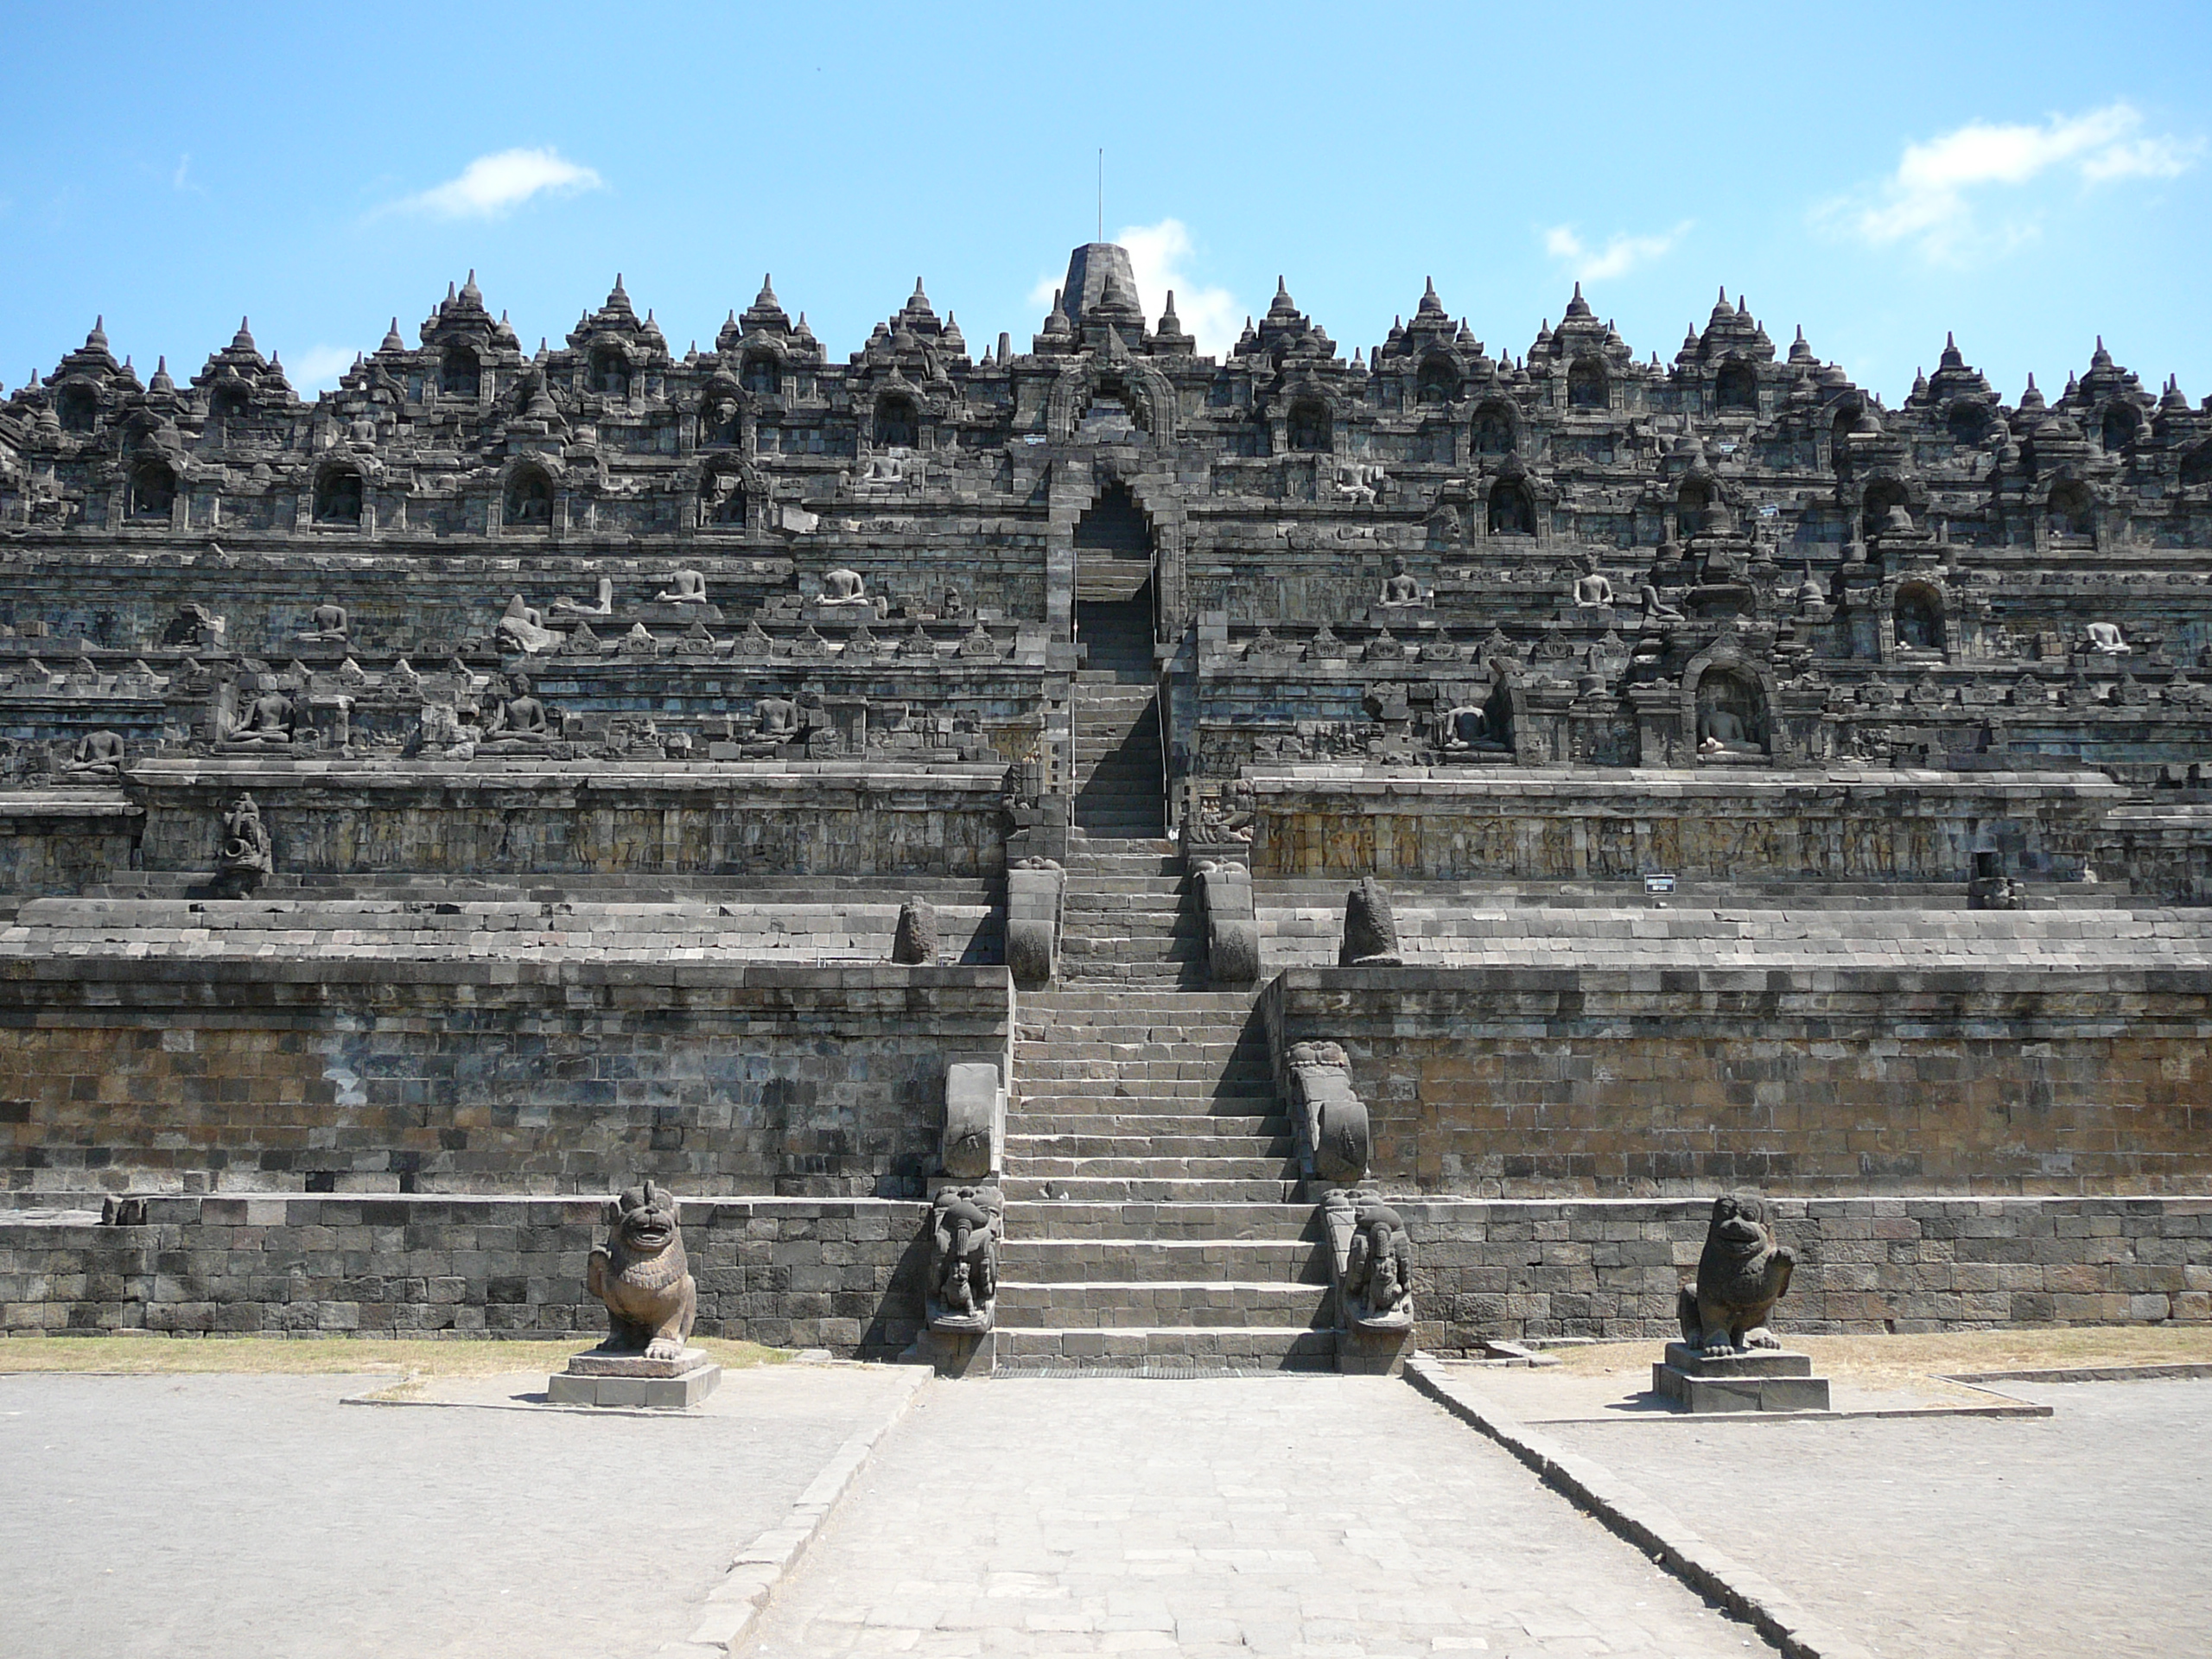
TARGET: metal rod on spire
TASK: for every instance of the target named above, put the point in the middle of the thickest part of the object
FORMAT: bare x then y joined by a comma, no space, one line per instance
1102,192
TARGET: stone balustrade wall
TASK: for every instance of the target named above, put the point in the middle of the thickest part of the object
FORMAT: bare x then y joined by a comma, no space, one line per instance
343,1069
1872,1073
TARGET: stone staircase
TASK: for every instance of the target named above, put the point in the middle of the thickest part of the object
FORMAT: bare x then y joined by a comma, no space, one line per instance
1119,790
1151,1217
1152,1223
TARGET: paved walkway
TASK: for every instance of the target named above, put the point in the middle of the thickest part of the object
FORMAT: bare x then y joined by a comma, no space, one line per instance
1293,1515
1964,1538
219,1515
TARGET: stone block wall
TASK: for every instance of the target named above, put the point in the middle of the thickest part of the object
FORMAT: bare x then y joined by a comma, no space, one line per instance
1517,1081
844,1274
304,1072
583,817
65,842
1739,824
1611,1269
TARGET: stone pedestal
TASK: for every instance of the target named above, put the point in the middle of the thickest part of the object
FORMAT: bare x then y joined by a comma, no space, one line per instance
1766,1379
1374,1347
955,1350
597,1379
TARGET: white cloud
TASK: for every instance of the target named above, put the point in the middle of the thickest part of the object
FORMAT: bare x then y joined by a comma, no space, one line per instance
1159,256
1621,254
1931,199
317,368
493,185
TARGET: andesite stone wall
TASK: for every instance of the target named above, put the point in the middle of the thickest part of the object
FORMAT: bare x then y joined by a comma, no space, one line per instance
1612,1268
1520,1082
1737,825
833,1273
847,1273
375,1073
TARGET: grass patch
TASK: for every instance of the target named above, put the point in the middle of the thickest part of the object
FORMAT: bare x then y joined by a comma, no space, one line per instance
158,1356
1879,1361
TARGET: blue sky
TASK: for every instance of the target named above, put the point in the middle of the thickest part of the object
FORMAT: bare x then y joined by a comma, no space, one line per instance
2029,176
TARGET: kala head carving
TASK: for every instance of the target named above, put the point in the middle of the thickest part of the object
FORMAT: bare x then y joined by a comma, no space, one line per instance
643,1277
1741,1275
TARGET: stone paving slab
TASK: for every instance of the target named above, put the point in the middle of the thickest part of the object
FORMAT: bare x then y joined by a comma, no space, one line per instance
1320,1516
1966,1537
219,1515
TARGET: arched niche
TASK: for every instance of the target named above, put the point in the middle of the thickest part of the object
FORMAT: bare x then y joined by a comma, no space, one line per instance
459,374
1967,423
1309,430
2120,426
1850,415
1140,389
610,372
1438,381
1493,430
153,492
897,422
2070,511
1693,508
1108,419
724,502
1727,703
2196,468
1587,385
761,374
1737,386
229,403
1512,508
340,497
77,408
1880,495
1916,618
529,499
721,420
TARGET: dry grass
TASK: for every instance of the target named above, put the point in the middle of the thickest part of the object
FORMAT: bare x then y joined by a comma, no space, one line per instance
1880,1362
156,1356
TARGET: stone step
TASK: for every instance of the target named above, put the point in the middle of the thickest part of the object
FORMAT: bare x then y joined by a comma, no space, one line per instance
1157,1127
1123,1304
1126,1139
1143,1045
1137,976
1150,1189
1192,1261
1178,1347
1042,1074
1199,1006
1190,1220
1045,1025
1240,1164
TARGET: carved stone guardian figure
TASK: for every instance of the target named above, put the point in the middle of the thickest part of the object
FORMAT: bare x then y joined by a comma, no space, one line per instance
245,858
1379,1266
1743,1272
643,1277
964,1228
1729,1359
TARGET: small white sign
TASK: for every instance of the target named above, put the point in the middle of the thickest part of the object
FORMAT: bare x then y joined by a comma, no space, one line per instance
1658,882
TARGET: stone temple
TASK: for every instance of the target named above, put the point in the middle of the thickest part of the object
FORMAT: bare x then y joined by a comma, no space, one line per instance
1097,853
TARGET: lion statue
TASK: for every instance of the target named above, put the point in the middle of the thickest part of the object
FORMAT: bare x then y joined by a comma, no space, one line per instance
643,1277
1741,1275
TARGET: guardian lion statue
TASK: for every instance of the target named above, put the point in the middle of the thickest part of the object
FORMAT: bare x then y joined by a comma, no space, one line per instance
1741,1275
643,1277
